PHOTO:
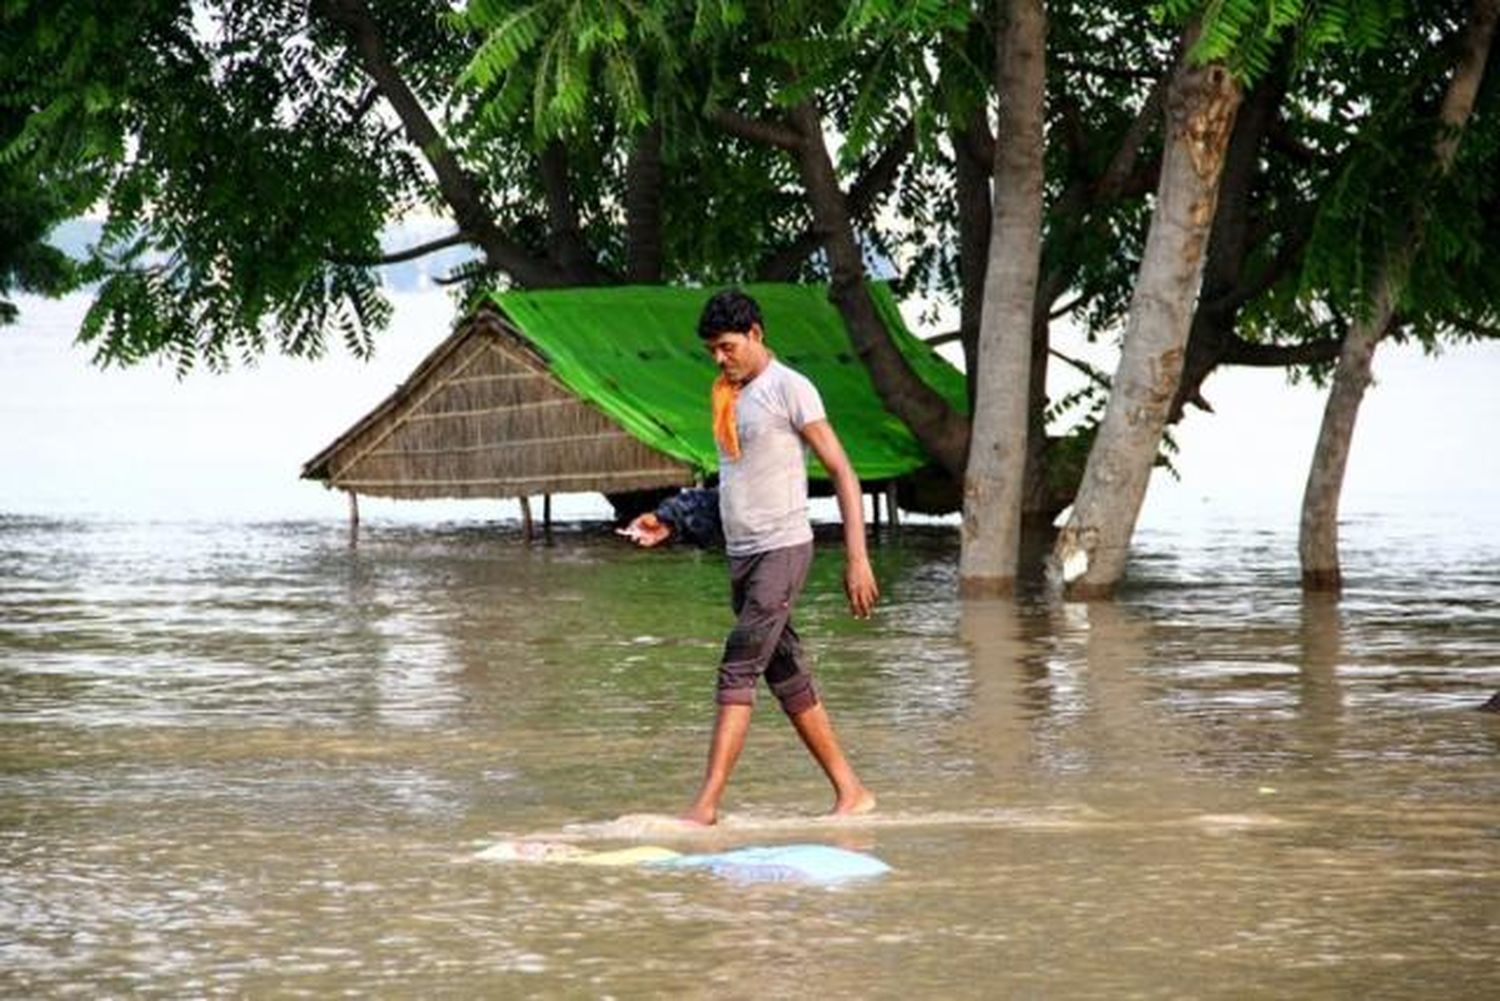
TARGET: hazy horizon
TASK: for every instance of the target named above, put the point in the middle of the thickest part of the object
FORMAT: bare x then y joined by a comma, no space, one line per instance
138,443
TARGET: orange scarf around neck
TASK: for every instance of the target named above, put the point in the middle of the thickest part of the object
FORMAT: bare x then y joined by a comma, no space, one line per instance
726,430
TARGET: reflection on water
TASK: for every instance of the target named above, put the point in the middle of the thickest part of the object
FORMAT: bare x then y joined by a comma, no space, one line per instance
249,760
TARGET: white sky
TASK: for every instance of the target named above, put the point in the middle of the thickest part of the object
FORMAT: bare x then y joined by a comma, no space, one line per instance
140,444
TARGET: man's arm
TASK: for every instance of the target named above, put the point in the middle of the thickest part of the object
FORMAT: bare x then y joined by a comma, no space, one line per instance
859,579
690,515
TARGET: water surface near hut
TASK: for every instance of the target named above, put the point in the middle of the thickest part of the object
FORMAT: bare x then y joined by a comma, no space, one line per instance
246,760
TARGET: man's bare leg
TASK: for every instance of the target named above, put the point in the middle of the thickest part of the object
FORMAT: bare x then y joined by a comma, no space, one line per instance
730,727
816,730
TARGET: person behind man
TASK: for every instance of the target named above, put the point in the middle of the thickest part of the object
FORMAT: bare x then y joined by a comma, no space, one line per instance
764,415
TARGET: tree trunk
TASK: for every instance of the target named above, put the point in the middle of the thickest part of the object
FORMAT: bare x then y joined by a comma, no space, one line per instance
1318,541
996,472
941,430
1218,310
643,210
1089,557
972,189
565,243
1039,500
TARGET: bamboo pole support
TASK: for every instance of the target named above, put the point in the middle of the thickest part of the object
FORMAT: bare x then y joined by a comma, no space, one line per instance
527,526
353,517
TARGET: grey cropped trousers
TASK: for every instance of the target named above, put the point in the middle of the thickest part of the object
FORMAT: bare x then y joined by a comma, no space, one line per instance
764,588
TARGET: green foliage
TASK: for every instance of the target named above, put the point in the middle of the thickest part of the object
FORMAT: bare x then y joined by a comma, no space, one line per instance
246,168
1249,35
557,54
240,178
1374,199
31,204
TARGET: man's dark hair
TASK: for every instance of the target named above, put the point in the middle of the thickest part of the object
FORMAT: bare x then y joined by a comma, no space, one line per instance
728,312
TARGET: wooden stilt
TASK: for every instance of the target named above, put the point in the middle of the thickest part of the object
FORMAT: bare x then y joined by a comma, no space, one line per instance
527,528
547,515
353,517
892,510
875,510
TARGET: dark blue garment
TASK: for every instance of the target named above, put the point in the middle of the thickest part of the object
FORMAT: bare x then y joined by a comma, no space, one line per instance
694,517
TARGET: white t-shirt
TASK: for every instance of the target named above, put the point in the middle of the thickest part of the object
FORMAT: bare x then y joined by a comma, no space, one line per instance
763,494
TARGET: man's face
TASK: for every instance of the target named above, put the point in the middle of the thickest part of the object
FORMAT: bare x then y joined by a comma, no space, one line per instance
738,355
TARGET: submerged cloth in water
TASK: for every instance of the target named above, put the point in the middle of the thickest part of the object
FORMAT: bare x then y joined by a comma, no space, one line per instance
809,863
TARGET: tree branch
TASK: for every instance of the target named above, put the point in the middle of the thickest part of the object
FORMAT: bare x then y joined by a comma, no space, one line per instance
459,189
863,194
1122,164
1081,197
1067,308
755,130
1247,290
409,254
1242,352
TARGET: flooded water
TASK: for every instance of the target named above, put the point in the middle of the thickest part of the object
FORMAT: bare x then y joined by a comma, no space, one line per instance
248,760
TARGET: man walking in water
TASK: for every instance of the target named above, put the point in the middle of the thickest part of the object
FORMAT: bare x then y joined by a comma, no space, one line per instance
764,413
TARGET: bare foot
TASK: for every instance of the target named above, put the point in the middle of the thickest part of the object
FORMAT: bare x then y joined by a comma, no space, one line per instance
859,802
700,817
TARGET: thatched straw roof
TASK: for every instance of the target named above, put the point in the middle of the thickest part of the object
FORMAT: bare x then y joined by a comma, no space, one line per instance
482,416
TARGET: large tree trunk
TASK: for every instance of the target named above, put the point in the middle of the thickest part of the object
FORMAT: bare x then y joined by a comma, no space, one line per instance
996,470
565,243
1318,541
1089,557
942,431
971,187
643,209
1218,308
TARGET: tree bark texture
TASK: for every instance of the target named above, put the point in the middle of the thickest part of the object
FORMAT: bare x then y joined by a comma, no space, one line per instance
565,243
996,471
1317,544
1089,557
643,210
941,430
1218,311
971,185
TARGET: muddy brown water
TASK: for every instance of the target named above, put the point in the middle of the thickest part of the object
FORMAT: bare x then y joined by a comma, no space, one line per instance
244,760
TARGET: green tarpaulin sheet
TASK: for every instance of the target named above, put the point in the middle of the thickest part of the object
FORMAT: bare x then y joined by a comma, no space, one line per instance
634,353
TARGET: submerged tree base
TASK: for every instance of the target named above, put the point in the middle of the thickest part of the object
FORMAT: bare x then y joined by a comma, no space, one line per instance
1327,581
986,587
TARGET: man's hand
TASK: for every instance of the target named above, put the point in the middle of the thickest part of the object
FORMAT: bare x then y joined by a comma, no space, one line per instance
860,586
647,530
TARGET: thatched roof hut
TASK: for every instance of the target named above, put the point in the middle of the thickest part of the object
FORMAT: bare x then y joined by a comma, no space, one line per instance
605,390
